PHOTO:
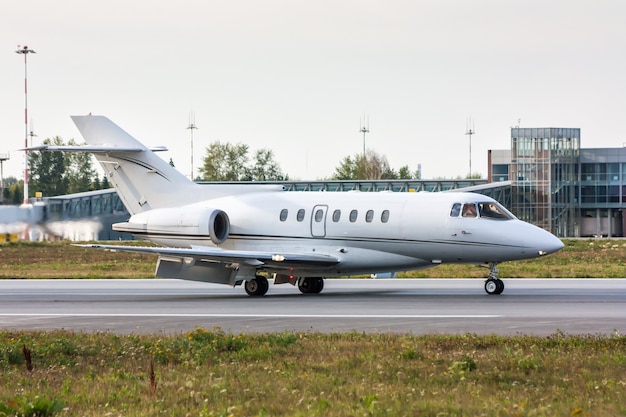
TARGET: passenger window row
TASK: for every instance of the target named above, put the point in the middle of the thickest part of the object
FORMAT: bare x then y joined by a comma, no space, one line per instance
336,216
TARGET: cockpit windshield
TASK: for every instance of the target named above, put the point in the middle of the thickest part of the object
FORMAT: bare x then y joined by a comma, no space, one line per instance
486,210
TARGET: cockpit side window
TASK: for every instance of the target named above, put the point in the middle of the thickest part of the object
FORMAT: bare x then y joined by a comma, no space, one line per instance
455,210
491,210
469,210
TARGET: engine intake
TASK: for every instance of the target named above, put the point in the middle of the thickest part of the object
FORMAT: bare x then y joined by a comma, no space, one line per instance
179,222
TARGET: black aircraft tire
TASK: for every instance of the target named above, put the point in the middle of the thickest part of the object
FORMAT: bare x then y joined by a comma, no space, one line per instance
311,285
500,284
257,287
492,286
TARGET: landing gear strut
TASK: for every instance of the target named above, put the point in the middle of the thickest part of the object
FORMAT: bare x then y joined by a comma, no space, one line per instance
493,284
257,287
311,285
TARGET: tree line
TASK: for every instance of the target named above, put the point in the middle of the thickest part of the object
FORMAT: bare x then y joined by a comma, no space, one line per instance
55,173
60,173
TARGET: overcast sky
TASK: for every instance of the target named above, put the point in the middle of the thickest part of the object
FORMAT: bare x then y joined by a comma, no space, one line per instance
297,76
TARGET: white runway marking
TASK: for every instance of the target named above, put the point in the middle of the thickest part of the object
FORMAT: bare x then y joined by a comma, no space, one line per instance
235,315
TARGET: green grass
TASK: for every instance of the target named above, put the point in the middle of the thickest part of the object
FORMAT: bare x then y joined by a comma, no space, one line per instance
212,373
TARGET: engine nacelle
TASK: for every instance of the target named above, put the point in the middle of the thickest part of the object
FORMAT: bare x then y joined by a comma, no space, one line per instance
177,223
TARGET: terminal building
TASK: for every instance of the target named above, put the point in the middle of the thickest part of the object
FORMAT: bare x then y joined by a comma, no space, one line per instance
559,186
545,178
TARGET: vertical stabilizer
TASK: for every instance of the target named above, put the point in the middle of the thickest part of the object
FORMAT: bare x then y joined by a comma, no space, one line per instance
142,179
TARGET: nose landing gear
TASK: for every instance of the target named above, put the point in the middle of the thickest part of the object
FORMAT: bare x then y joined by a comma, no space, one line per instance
493,284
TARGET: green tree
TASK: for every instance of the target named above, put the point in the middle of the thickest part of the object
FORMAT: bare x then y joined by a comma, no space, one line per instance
224,162
16,193
372,166
58,173
13,192
347,169
265,167
47,171
105,184
405,173
79,171
228,162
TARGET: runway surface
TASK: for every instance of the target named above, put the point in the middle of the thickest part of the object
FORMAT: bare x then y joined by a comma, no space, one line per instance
416,306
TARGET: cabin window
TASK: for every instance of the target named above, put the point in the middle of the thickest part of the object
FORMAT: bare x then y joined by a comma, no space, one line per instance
353,215
384,217
493,211
469,210
283,214
319,215
456,210
369,216
300,215
336,215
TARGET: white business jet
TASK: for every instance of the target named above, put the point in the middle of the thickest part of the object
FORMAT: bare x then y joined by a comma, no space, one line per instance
243,233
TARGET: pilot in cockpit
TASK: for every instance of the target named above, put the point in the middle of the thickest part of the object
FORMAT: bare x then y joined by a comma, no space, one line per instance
469,210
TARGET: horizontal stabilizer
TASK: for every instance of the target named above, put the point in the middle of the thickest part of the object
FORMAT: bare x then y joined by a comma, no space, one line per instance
92,148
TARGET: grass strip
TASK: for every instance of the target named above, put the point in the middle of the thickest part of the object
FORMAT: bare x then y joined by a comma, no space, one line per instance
208,372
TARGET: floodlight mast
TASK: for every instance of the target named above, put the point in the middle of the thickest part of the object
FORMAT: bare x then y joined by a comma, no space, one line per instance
364,128
191,128
470,131
25,51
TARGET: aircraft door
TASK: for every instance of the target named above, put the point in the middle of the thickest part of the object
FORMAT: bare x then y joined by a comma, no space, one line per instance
318,221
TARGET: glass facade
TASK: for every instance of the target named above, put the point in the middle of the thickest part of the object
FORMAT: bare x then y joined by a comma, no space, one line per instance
544,164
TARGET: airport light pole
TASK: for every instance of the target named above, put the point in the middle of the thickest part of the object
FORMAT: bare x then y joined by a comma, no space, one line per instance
365,128
470,131
25,51
191,128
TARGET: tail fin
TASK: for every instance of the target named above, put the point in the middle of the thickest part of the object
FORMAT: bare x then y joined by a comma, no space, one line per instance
143,180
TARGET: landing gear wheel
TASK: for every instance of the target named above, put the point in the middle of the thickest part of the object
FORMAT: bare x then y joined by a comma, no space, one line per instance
494,286
311,285
257,287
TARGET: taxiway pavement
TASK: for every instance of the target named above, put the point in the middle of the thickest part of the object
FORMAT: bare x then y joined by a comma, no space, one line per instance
415,306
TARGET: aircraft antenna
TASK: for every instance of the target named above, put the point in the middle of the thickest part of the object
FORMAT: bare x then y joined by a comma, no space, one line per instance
191,127
469,131
364,127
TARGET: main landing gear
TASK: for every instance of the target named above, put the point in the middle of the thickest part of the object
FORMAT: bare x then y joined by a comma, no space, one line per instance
257,287
311,285
493,284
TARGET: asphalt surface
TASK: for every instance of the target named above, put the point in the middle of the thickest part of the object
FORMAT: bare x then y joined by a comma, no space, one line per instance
420,306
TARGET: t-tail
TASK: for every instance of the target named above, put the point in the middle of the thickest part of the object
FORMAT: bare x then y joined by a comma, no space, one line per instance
142,179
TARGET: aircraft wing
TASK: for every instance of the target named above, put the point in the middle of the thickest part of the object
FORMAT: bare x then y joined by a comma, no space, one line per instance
212,254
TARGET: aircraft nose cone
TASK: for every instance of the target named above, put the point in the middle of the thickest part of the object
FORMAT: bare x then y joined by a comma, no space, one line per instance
549,244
